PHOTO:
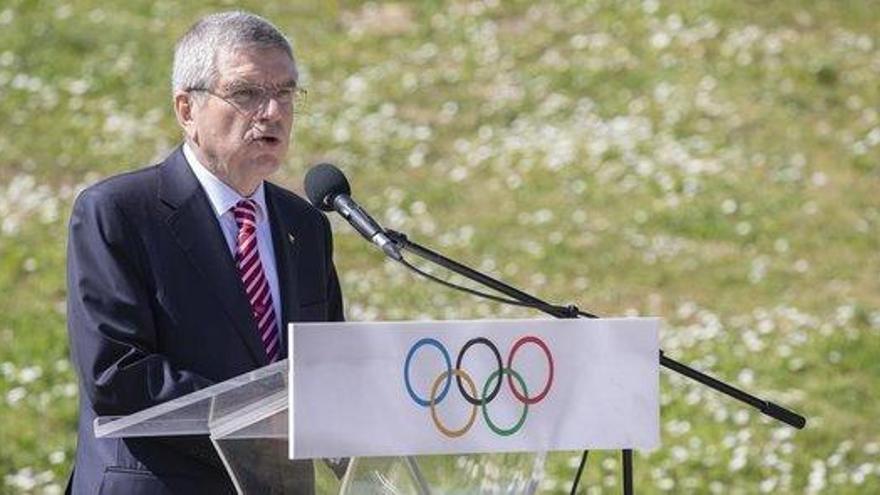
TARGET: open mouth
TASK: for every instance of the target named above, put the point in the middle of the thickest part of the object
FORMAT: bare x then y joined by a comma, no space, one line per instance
271,140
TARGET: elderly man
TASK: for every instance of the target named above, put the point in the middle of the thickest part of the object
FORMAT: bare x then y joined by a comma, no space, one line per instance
183,274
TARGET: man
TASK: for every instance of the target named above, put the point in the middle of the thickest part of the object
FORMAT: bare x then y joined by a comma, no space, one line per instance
184,274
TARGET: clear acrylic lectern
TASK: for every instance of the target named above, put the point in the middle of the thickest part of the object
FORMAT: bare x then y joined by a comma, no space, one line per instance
247,421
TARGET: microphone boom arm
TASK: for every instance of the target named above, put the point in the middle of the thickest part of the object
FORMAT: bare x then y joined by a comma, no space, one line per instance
768,408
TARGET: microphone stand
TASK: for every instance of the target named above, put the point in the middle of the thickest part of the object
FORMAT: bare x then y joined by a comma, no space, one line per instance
766,407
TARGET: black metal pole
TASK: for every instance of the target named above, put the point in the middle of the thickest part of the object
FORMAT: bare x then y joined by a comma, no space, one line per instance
470,273
577,476
771,409
627,471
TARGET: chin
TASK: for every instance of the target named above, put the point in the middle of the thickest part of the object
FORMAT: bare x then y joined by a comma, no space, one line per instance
268,160
268,166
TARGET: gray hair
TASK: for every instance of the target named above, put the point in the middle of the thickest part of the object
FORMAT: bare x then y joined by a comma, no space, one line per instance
196,52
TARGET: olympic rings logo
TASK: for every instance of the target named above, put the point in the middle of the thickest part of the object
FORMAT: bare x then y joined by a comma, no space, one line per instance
490,388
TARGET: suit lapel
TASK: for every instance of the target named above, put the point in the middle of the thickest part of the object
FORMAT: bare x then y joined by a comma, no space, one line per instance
284,231
195,227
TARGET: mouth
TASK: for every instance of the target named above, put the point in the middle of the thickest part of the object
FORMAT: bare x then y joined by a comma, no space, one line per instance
267,140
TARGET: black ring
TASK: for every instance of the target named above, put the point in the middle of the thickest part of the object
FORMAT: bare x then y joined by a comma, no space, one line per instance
491,346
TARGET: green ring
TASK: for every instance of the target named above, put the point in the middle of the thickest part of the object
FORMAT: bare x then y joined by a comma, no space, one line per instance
522,419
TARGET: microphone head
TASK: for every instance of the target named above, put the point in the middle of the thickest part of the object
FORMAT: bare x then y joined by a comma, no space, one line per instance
324,182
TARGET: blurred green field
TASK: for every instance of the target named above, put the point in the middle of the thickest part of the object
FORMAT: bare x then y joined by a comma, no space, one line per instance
716,163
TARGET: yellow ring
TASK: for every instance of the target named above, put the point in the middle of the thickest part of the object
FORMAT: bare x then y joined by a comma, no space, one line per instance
470,383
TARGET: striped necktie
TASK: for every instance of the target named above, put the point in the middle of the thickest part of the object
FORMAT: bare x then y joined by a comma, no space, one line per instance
256,285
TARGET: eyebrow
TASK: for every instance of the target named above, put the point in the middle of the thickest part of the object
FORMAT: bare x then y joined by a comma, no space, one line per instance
239,84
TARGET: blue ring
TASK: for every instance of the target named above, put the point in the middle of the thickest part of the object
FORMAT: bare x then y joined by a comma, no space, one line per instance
412,350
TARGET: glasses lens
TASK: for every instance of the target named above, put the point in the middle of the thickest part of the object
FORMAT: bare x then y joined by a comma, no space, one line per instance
248,99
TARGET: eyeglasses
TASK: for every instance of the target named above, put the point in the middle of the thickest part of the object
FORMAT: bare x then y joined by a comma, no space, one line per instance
251,99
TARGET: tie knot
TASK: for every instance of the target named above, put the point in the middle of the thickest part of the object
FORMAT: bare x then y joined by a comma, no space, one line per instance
245,213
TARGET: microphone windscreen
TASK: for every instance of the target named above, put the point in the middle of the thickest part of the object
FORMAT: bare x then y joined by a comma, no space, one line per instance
323,182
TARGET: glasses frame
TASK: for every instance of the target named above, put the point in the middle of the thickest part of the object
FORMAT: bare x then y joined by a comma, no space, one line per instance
296,102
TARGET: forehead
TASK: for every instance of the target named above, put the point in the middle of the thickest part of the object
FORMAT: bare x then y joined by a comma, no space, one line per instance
263,66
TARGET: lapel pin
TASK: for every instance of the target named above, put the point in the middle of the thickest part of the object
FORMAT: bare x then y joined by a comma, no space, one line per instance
291,238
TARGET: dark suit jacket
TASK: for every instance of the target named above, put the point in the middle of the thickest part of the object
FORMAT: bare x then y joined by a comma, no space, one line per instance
156,310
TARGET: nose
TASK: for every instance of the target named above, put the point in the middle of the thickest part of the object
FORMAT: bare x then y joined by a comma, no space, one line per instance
271,110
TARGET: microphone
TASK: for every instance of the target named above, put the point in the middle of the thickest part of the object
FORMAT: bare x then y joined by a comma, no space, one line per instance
328,190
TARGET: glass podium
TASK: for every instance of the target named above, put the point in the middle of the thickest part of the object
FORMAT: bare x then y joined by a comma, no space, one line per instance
246,419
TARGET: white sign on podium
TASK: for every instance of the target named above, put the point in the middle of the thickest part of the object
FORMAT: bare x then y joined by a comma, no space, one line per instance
482,386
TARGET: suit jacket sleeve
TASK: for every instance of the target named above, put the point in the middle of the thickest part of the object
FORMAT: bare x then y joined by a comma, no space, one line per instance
110,314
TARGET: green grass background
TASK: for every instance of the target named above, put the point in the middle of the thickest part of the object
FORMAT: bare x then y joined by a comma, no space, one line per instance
716,163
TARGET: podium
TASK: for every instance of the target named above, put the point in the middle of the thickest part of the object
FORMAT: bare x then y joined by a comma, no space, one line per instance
372,392
246,419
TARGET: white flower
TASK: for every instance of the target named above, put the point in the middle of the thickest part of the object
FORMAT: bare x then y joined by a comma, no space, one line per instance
15,395
728,206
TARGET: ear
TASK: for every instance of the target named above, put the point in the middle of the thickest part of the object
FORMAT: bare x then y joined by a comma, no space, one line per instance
184,111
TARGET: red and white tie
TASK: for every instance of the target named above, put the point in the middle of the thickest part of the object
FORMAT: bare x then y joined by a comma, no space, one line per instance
256,286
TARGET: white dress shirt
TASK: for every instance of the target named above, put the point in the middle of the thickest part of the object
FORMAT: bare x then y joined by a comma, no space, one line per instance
222,199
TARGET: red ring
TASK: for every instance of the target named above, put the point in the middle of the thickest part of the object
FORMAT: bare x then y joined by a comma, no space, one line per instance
540,343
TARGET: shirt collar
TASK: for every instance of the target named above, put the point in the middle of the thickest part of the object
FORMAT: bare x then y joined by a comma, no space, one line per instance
220,195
